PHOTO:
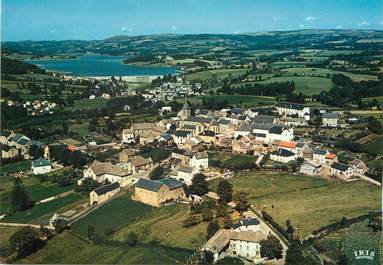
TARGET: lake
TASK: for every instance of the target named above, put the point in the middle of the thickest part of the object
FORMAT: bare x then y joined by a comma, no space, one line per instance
100,65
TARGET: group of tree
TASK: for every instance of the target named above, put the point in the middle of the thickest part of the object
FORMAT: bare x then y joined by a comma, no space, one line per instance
257,89
271,247
345,91
27,241
68,157
20,199
199,185
15,67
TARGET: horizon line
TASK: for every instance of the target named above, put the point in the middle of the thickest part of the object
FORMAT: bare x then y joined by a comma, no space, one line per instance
202,33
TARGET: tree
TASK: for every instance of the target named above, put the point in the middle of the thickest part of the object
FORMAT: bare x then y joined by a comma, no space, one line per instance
294,255
224,191
199,185
20,199
229,261
212,228
25,241
132,239
242,201
221,210
206,258
36,151
271,247
374,125
91,233
207,214
227,222
289,228
190,221
157,173
87,185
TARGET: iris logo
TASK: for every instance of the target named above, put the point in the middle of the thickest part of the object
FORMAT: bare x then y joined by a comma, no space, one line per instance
364,254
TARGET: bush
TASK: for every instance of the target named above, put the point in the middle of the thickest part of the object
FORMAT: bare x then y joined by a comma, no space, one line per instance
192,220
25,242
132,239
240,162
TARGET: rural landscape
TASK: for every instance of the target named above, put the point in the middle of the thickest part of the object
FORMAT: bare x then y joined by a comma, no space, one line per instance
245,148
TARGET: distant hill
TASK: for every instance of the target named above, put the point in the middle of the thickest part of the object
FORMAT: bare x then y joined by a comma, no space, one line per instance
202,43
9,66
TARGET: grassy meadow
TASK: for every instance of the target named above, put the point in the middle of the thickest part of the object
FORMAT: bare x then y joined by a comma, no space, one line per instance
310,202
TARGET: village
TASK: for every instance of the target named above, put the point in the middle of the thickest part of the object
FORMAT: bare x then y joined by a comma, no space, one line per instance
264,133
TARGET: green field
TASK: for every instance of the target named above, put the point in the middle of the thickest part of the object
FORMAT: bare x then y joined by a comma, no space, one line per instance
164,225
375,147
215,74
237,100
310,202
15,167
87,104
40,214
65,248
324,72
112,215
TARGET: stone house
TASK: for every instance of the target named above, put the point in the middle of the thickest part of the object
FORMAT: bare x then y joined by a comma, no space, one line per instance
158,192
104,193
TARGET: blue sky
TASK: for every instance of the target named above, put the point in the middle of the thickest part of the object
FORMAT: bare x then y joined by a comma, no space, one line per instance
99,19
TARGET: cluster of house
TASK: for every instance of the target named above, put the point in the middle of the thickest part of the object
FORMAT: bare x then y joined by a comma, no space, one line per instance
242,240
170,91
36,107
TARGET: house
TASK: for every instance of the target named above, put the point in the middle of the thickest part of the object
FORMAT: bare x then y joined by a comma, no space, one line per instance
280,133
128,136
199,161
245,244
185,174
341,170
330,158
106,171
141,164
126,154
158,192
291,121
239,147
358,166
330,119
282,155
319,156
183,155
193,144
242,130
309,168
207,136
264,119
180,137
247,224
8,152
166,139
41,166
291,146
139,128
104,193
293,109
149,137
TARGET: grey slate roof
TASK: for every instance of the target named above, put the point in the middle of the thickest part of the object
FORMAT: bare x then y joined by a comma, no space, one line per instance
263,119
261,126
277,129
148,184
246,222
330,115
320,152
207,133
290,105
339,166
172,183
198,119
181,133
283,152
41,162
107,188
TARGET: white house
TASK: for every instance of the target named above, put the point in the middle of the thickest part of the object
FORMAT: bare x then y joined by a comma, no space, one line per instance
199,160
106,171
358,166
128,136
319,156
185,174
280,133
247,224
181,136
245,244
282,155
330,119
293,109
341,170
309,168
41,166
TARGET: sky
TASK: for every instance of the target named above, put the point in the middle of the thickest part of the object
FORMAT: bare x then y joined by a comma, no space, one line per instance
100,19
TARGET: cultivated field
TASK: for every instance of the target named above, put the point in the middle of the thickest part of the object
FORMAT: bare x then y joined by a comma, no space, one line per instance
310,202
236,100
215,74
